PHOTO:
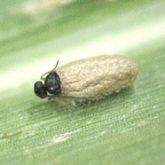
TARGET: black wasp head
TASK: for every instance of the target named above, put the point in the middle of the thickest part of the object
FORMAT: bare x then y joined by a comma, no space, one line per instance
39,89
53,83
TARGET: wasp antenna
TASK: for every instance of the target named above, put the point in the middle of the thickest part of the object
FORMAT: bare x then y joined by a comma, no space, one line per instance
56,65
44,75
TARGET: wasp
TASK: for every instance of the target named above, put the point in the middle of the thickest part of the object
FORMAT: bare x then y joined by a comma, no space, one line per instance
87,79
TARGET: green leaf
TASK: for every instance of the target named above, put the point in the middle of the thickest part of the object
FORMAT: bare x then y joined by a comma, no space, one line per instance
126,128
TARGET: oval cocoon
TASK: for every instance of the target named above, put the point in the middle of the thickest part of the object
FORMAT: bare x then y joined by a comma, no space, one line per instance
96,77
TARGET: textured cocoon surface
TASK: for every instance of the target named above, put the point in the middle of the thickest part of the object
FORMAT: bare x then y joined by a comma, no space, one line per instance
97,77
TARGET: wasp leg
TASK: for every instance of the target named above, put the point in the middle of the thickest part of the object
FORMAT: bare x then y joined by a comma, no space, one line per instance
70,100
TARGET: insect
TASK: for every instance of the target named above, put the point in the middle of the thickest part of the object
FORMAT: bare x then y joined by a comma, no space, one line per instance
87,79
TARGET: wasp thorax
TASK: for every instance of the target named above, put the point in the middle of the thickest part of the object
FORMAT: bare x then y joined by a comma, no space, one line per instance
52,83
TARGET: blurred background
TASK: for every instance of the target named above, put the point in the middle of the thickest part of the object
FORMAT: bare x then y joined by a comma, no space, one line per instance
122,129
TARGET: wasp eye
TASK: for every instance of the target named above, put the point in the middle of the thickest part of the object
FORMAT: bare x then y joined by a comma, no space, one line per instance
52,83
39,89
